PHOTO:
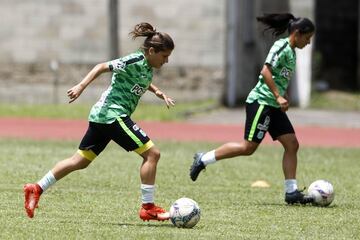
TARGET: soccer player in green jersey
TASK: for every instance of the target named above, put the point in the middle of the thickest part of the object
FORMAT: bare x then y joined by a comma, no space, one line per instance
267,103
109,119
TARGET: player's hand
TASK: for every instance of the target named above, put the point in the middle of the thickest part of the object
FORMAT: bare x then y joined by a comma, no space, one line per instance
284,104
74,92
168,101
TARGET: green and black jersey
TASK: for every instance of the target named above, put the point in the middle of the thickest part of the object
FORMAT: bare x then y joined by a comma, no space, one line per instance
132,76
282,60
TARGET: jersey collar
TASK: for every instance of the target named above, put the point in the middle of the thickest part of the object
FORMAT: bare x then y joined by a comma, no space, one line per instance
145,62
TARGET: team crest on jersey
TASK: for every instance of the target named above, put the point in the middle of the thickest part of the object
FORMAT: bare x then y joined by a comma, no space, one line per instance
120,64
138,90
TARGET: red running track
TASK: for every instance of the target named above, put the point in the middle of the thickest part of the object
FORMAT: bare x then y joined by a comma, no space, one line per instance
49,129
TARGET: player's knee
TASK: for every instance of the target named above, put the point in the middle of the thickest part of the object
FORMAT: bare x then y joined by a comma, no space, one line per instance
79,163
296,145
156,154
292,145
250,148
153,154
249,151
84,164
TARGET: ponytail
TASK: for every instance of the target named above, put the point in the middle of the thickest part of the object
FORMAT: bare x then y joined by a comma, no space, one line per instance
157,40
279,23
143,30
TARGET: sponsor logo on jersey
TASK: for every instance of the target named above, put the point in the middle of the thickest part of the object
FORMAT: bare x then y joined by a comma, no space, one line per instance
138,90
286,73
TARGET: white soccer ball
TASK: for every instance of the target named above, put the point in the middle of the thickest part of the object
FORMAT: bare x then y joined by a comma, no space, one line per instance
322,191
185,213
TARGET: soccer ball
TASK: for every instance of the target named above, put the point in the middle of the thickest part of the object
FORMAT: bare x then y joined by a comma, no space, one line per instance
322,191
185,213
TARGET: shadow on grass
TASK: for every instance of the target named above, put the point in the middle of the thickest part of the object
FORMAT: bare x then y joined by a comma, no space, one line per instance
157,225
294,205
124,224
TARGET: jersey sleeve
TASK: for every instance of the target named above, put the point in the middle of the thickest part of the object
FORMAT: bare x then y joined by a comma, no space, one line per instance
272,58
117,65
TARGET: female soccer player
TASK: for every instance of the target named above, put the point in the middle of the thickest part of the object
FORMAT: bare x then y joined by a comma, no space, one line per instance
109,119
267,103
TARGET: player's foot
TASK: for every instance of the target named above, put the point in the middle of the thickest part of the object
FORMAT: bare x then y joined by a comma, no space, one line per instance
32,194
149,211
197,166
298,197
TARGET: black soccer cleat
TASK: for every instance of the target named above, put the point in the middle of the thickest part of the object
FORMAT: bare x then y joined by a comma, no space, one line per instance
197,166
298,197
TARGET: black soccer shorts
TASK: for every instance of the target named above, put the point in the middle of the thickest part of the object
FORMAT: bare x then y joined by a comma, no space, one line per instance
262,118
123,131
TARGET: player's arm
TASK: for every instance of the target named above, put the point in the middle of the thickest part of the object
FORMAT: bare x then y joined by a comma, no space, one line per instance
74,92
169,101
269,81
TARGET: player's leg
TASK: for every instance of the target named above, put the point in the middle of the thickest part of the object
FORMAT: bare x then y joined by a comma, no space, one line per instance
149,165
234,149
80,160
149,211
289,161
132,138
227,150
282,130
32,191
256,125
88,150
289,164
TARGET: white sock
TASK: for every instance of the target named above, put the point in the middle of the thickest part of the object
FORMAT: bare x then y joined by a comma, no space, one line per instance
208,158
147,193
47,181
290,185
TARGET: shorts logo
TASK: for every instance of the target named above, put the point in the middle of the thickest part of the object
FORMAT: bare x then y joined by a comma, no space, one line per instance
136,128
142,133
138,90
263,127
260,135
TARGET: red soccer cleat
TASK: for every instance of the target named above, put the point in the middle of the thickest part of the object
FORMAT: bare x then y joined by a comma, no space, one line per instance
32,194
149,211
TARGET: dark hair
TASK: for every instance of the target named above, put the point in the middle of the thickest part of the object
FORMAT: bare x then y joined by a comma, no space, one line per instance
280,22
158,40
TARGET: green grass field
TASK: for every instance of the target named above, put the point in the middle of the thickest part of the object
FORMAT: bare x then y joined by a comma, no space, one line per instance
335,100
102,201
